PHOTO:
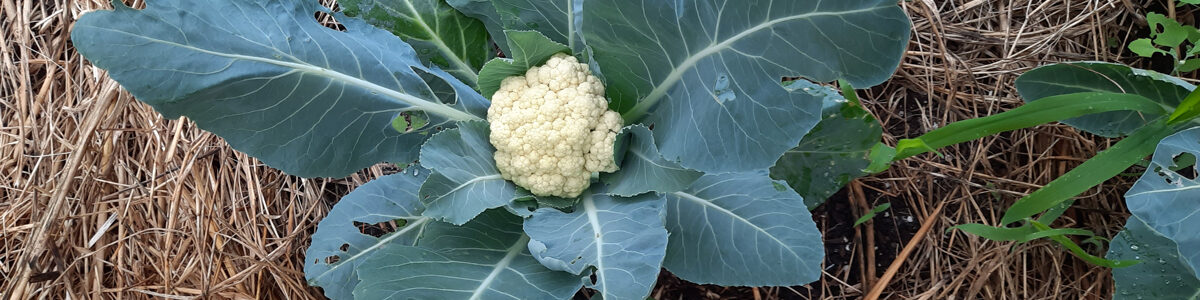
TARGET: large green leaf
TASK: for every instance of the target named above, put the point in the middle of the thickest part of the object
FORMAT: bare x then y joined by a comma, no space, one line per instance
643,170
1162,230
465,181
622,238
485,259
835,151
485,12
558,19
339,247
742,229
705,73
277,85
1078,77
440,34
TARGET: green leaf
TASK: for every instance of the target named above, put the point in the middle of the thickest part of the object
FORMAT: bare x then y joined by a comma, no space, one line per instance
1187,110
529,49
339,247
1021,234
1189,65
465,181
440,34
738,229
698,70
1078,77
881,156
623,239
1036,230
1165,31
1080,253
1002,234
559,20
871,214
1161,232
1042,111
274,83
1104,165
484,11
643,170
485,259
835,152
1144,48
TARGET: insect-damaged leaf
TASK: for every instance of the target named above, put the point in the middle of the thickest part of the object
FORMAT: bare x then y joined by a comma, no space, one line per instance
339,246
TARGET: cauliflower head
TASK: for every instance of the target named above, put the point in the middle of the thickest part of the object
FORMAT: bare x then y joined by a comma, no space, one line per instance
552,128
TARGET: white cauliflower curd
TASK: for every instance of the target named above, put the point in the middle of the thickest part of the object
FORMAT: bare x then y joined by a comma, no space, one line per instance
552,128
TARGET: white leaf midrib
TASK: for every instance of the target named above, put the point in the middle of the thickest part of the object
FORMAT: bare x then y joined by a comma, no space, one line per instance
500,266
425,105
441,45
414,225
589,208
739,218
676,74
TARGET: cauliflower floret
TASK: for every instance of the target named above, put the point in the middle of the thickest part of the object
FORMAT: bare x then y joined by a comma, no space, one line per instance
552,128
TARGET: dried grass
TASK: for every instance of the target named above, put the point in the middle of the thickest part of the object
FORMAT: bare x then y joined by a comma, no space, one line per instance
100,197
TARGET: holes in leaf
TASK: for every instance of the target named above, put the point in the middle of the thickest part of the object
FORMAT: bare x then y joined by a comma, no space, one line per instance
379,229
1184,163
328,21
332,259
410,121
344,247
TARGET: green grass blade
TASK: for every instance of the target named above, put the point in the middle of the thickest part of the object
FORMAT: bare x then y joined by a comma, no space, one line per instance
1187,110
1103,166
871,214
1079,252
1045,110
1018,234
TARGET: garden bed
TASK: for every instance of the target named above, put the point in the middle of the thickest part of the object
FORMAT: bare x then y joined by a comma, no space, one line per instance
108,199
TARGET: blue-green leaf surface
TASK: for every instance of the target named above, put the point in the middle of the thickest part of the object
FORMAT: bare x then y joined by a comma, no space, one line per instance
705,73
465,181
440,34
558,19
1162,230
273,82
339,247
485,259
835,152
742,229
622,239
644,170
1077,77
485,12
1162,273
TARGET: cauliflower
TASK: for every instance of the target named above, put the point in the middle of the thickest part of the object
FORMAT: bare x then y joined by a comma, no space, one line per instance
552,128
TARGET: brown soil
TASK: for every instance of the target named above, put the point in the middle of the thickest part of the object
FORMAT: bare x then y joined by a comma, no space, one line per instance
192,218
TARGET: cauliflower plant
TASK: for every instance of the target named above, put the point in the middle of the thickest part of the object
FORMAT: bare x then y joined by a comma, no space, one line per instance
552,128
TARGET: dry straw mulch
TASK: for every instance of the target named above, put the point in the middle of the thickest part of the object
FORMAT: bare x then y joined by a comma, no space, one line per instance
100,197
